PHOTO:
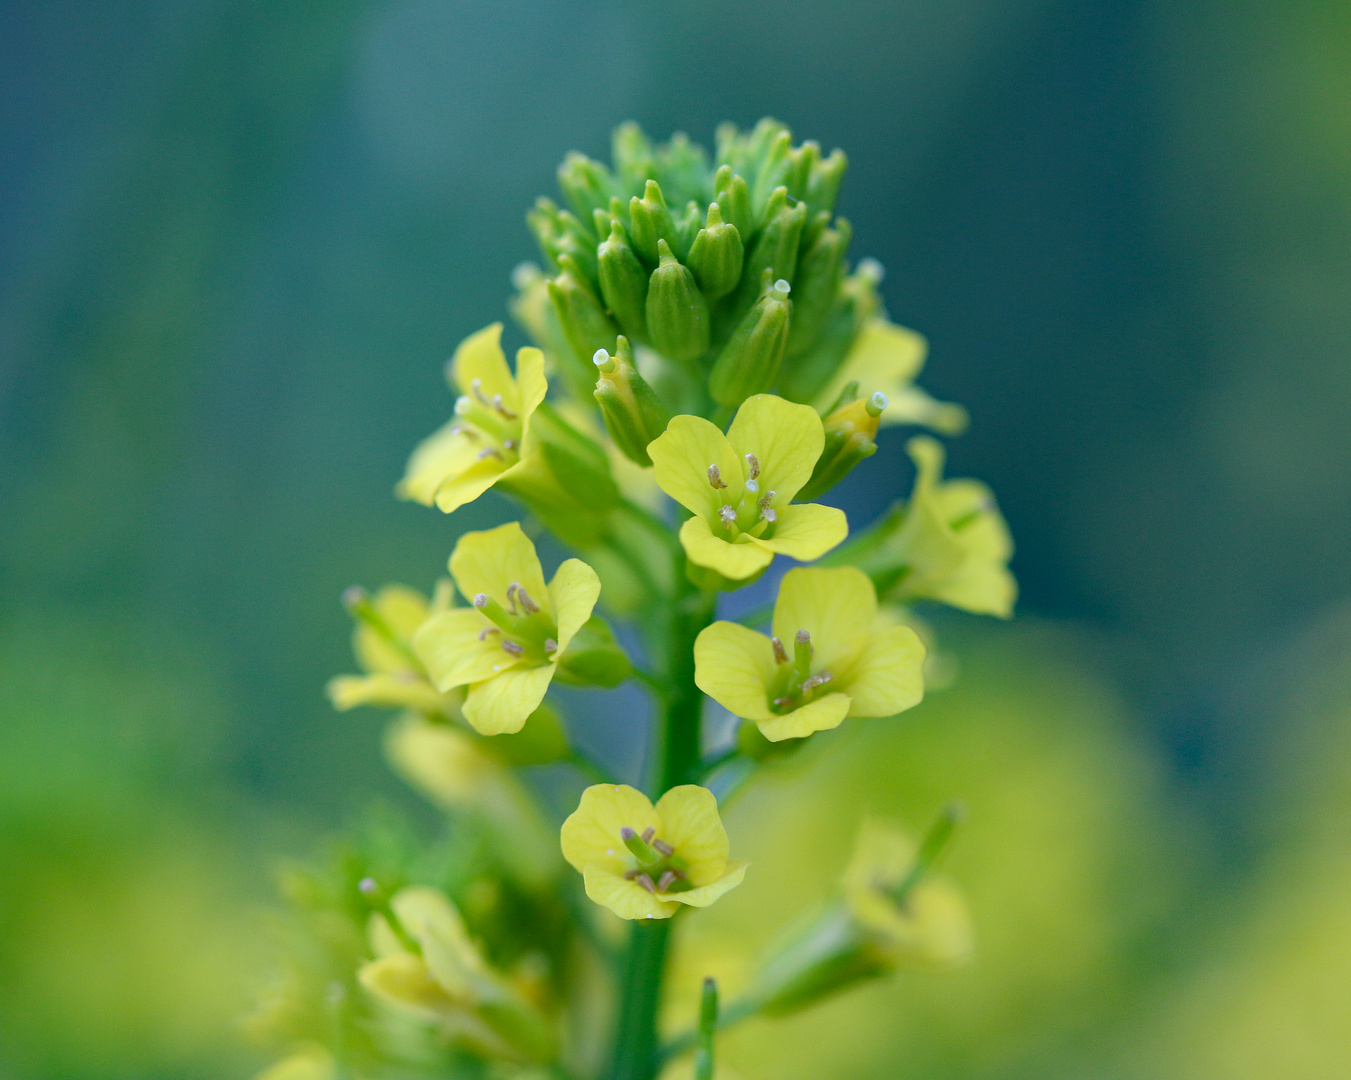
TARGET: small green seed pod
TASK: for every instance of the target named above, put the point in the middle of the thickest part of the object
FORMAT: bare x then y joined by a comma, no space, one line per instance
633,415
584,324
816,286
623,282
749,362
650,221
716,256
734,200
677,313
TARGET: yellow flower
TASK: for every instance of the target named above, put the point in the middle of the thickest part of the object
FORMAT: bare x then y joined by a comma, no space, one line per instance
506,647
382,642
739,486
311,1063
887,357
832,655
486,439
643,862
952,541
929,926
427,967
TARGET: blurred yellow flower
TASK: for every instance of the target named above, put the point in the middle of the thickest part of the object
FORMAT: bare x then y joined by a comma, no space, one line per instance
831,655
382,642
505,648
739,486
643,862
485,440
310,1063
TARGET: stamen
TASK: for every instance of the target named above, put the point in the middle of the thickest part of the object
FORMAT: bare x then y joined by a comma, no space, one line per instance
482,634
550,645
768,513
511,596
648,834
529,605
754,463
667,879
780,657
727,515
511,647
489,451
646,882
819,679
477,387
481,600
663,847
783,702
502,410
629,875
715,479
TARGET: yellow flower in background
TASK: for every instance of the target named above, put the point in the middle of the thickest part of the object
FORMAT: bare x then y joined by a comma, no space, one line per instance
952,541
311,1063
643,862
927,927
887,357
382,642
506,647
739,486
485,440
831,655
427,967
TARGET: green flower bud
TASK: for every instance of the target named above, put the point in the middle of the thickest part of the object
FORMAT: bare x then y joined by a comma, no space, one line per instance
774,171
558,233
623,281
631,152
817,285
682,168
734,200
586,184
584,324
749,362
775,249
806,375
716,256
823,182
677,313
651,221
594,658
686,228
851,434
534,311
633,415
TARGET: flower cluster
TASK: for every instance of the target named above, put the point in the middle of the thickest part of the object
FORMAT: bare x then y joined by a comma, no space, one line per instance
706,365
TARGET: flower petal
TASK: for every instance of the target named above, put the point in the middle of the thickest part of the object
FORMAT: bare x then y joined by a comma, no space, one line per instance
402,979
396,690
627,899
733,875
731,560
449,647
502,704
480,356
681,456
734,666
531,384
573,593
785,438
888,675
884,357
590,835
489,561
821,715
464,487
403,610
835,606
690,824
806,531
444,454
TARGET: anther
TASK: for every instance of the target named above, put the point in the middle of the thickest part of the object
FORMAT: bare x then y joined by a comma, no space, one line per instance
783,702
529,606
648,834
367,886
477,387
502,410
483,634
727,515
754,463
715,479
489,451
550,645
819,679
511,596
666,880
508,444
768,513
780,657
646,882
665,848
512,647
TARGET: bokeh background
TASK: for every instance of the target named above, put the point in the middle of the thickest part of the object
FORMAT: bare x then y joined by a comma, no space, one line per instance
237,242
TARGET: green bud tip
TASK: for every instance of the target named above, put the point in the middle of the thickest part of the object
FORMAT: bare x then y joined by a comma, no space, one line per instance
877,403
605,362
872,269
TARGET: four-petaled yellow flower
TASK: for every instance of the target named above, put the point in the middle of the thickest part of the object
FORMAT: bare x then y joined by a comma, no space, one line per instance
739,486
643,862
926,927
485,440
887,357
382,642
831,656
507,646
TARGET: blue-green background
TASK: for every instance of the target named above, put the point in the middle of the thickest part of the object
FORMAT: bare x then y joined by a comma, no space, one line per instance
238,240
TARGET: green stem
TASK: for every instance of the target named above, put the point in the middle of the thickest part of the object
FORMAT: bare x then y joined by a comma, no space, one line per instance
635,1054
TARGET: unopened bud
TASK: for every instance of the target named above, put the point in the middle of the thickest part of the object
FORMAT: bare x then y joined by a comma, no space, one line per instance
584,324
631,152
806,375
734,200
586,184
593,657
749,362
686,229
623,281
816,286
677,313
651,221
823,182
716,256
776,247
851,437
632,412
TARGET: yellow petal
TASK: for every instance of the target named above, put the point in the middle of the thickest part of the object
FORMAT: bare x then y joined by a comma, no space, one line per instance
884,357
732,560
734,666
313,1063
398,690
464,487
627,899
590,835
444,454
888,676
530,383
403,980
912,405
449,647
573,594
502,704
690,824
820,715
490,561
785,438
403,610
443,762
806,531
835,606
733,875
480,356
681,456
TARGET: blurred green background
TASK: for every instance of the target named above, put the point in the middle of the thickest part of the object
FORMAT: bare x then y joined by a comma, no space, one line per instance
238,240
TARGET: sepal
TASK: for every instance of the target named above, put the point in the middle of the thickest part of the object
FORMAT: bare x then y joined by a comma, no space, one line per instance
677,313
594,658
632,413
